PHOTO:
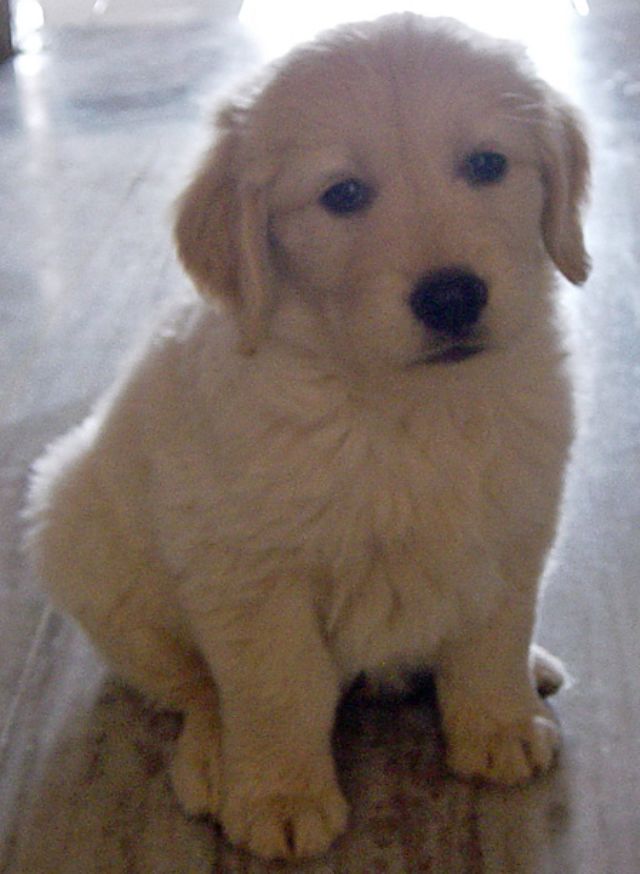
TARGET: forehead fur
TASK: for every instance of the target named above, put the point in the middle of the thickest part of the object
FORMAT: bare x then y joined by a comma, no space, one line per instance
396,65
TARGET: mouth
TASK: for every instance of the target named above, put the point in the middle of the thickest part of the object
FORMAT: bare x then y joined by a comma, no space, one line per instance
454,354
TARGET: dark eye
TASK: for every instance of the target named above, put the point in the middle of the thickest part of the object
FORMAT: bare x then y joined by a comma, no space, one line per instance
346,197
484,168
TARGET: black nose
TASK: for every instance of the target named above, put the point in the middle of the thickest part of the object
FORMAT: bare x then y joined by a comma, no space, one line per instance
449,301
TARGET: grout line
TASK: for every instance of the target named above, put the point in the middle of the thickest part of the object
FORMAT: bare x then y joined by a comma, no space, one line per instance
23,682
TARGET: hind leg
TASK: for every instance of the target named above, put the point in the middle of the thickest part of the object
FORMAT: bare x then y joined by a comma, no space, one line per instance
123,612
196,768
97,569
177,679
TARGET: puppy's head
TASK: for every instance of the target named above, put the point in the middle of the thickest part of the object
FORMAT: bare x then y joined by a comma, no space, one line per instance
406,183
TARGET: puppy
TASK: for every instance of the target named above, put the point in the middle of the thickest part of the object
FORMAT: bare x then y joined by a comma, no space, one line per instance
347,457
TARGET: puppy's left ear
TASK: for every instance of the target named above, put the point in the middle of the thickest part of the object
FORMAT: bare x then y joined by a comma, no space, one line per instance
221,230
565,162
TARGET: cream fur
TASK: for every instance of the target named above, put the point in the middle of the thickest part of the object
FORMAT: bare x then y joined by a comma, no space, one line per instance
283,494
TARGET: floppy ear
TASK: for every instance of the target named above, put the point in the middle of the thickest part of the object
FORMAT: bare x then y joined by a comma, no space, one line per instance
566,176
221,231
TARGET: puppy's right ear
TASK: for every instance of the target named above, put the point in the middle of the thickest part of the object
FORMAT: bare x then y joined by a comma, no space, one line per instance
220,230
566,178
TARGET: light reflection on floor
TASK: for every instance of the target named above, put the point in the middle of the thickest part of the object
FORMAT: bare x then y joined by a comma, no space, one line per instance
31,16
545,26
28,21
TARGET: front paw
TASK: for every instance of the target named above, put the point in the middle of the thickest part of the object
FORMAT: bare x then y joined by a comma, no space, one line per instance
509,751
286,826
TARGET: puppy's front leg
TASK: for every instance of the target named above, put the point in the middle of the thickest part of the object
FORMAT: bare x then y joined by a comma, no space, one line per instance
279,691
496,726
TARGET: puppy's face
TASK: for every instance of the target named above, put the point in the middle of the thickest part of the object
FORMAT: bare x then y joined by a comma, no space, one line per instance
407,183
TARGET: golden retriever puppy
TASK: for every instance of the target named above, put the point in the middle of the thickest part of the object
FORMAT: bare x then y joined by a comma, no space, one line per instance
347,457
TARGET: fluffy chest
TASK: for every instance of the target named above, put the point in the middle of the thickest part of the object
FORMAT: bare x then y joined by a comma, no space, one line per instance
384,520
353,482
403,544
290,461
